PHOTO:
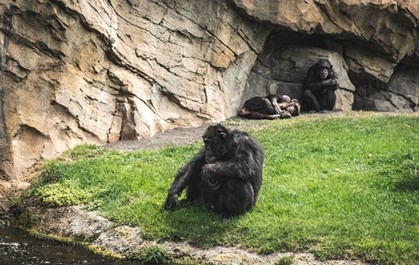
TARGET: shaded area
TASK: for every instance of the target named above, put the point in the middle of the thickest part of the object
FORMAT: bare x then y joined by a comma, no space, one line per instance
4,147
18,247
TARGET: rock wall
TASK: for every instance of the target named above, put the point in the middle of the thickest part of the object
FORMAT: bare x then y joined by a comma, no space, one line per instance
100,71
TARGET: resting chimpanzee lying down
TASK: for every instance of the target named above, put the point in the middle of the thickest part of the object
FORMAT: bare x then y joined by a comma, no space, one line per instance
270,107
226,174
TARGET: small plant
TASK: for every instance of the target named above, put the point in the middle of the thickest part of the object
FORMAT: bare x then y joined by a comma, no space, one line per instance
154,255
284,261
27,219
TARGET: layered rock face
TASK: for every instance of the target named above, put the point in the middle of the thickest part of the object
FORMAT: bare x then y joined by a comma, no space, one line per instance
372,44
101,71
98,71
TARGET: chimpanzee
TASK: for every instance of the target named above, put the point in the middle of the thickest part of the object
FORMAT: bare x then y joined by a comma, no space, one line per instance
320,85
270,107
226,174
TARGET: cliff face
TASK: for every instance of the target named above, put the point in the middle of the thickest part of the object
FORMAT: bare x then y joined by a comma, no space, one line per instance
100,71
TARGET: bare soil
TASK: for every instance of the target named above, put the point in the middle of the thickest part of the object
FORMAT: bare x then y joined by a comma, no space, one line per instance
177,137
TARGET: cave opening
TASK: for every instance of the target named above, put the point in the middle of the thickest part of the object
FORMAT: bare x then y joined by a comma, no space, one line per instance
282,65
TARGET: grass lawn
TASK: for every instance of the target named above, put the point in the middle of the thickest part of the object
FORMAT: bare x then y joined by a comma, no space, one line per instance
340,186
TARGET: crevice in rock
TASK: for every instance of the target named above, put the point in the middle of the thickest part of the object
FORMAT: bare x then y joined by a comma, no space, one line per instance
25,129
384,94
79,17
323,7
5,152
16,71
127,110
38,46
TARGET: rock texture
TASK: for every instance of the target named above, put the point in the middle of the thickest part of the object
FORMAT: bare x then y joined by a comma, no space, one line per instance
100,71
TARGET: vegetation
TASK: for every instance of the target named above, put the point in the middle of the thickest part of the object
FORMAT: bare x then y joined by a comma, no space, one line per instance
285,261
154,255
340,186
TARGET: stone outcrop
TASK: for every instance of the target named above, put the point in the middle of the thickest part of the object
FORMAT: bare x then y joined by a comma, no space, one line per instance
125,241
98,71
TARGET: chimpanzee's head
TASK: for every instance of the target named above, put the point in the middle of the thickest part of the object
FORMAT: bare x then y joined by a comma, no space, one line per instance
295,108
324,67
216,139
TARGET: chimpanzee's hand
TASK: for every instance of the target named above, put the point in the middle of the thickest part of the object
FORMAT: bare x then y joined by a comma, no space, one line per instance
332,82
171,202
285,114
209,177
207,169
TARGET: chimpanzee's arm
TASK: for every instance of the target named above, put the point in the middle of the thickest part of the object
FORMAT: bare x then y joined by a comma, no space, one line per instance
330,83
259,116
276,108
315,84
183,179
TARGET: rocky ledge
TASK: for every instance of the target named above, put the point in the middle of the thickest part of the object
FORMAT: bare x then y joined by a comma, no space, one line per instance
124,241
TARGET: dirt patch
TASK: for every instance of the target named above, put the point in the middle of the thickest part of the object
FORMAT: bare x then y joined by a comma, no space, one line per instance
177,137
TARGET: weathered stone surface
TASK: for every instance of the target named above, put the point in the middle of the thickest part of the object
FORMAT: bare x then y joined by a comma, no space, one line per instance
73,222
76,72
405,84
122,240
390,25
97,72
125,241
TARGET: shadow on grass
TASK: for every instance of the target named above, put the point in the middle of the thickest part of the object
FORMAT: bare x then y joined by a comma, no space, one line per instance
196,225
409,170
410,184
401,173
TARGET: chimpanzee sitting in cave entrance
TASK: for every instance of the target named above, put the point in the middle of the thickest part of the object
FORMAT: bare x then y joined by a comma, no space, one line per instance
320,85
270,107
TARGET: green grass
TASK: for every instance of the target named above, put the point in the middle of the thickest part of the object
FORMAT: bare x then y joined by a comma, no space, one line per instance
338,186
154,255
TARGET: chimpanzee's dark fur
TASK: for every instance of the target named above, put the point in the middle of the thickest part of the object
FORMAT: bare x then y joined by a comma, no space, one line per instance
270,107
320,85
226,174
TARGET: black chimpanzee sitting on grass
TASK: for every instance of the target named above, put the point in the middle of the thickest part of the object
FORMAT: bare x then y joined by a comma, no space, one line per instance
320,85
226,174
